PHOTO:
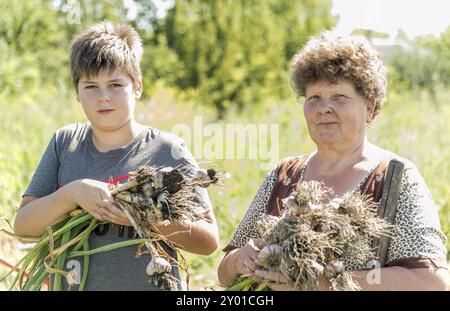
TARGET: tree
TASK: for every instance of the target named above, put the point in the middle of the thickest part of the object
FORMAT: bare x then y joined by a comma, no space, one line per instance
237,52
35,36
426,67
30,44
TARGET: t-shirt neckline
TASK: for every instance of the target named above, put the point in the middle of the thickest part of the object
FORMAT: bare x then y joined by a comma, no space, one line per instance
119,150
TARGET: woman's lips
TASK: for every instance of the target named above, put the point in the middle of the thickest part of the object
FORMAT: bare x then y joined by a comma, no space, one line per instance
105,111
326,123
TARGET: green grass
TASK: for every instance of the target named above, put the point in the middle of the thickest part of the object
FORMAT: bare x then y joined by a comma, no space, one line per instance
411,124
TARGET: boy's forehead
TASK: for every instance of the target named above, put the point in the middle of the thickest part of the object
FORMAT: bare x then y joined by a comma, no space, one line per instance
104,75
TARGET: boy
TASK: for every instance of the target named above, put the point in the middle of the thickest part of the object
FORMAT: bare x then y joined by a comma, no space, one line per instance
81,158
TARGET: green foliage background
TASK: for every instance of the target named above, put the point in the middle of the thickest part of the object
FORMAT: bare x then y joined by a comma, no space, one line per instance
226,61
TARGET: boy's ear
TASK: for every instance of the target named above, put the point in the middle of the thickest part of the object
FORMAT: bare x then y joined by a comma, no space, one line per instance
77,94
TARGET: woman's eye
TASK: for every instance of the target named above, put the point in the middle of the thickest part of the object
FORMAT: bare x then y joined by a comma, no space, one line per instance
340,96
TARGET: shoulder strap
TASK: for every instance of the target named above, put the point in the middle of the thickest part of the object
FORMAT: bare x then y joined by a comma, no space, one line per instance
388,206
374,184
288,173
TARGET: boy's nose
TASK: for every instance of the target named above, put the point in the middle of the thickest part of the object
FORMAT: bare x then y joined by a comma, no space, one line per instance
104,96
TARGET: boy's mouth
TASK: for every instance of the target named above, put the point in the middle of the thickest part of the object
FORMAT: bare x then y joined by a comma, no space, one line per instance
105,111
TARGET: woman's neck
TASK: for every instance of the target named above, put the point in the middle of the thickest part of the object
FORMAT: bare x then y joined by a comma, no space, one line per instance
331,161
109,140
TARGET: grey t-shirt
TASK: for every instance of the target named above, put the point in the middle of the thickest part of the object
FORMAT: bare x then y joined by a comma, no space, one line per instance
71,155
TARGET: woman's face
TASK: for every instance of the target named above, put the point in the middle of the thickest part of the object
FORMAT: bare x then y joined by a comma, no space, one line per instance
336,114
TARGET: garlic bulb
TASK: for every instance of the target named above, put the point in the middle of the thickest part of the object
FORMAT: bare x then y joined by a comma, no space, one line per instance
158,264
268,251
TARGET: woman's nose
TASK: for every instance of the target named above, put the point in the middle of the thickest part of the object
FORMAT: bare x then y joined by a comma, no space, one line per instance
325,107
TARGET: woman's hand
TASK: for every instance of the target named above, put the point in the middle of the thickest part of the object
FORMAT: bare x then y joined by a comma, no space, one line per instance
95,198
278,282
275,280
246,258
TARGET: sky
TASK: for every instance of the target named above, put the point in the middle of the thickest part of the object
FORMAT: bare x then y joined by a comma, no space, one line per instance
415,17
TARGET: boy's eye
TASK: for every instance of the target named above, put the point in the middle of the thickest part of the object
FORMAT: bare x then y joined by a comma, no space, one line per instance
91,86
116,85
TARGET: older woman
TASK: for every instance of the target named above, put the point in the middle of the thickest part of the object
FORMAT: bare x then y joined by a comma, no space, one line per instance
344,84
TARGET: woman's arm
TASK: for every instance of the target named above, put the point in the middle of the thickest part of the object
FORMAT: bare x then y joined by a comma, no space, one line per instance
241,260
227,271
385,279
402,279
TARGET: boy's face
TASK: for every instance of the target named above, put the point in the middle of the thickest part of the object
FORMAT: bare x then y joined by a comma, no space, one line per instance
108,99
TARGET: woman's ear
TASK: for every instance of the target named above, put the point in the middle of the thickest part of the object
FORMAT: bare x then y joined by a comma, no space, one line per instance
137,90
370,112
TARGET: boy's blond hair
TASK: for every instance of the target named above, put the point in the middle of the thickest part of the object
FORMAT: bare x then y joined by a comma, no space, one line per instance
106,46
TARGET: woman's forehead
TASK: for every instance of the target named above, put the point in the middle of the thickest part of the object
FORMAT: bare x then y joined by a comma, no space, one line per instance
329,86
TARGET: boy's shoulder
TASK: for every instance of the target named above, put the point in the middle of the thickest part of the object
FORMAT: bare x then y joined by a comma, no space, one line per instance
172,143
165,137
70,133
72,129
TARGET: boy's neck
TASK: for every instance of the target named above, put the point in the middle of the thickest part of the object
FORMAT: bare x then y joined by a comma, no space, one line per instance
105,141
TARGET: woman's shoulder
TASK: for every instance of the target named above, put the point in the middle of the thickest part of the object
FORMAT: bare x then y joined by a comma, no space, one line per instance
379,154
290,161
412,178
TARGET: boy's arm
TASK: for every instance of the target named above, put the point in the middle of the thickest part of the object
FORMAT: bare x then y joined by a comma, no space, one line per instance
36,214
199,237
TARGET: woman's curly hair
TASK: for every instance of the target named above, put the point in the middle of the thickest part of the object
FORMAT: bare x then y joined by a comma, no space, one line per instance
328,57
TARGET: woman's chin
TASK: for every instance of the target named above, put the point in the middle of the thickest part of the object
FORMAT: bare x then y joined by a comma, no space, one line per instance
326,138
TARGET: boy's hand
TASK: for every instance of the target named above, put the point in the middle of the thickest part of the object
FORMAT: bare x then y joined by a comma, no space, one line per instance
116,216
95,197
